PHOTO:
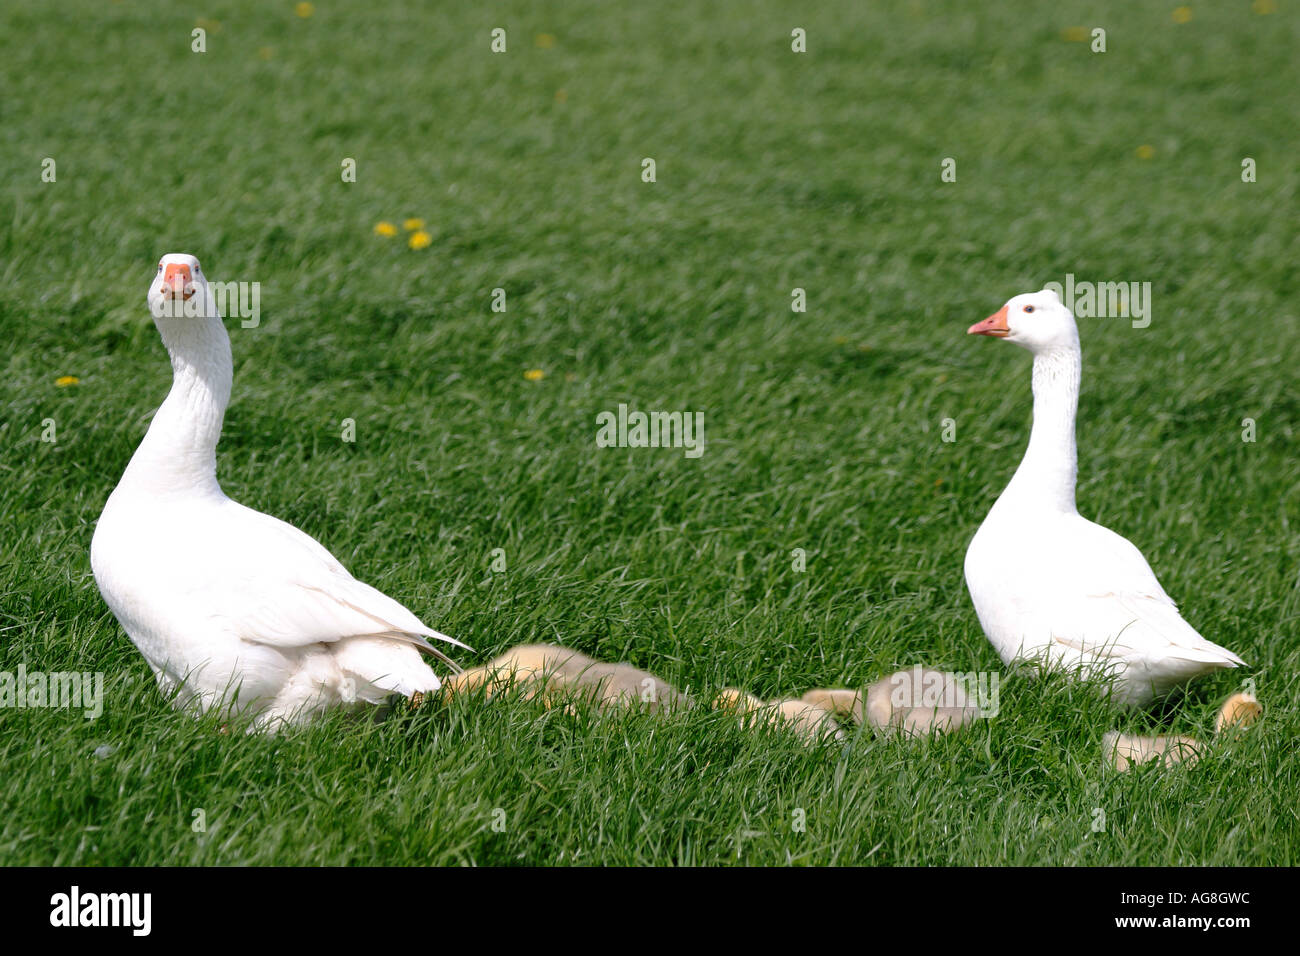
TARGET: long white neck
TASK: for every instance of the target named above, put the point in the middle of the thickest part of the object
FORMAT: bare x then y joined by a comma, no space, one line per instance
179,452
1048,472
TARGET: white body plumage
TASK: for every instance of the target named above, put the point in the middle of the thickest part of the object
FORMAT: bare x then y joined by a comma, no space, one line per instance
232,607
1050,585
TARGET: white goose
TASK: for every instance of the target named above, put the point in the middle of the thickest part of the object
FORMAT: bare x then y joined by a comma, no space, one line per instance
232,607
1050,585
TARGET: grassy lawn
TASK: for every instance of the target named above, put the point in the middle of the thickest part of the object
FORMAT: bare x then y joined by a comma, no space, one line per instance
824,430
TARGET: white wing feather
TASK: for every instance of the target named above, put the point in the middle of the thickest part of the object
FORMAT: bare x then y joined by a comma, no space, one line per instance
292,592
1117,592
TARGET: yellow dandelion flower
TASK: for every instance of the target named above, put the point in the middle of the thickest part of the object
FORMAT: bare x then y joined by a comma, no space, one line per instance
304,10
1264,7
534,375
385,229
841,340
63,381
1074,34
561,96
419,240
544,40
212,26
1145,152
265,52
410,225
1182,14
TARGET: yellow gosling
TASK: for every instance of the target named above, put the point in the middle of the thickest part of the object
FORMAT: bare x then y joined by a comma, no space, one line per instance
1126,750
845,704
735,699
918,702
1123,751
1239,710
558,674
809,721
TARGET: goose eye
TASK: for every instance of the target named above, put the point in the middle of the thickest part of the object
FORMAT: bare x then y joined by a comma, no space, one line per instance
1029,308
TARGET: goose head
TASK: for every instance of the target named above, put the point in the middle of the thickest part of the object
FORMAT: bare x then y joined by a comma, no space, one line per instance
1033,320
179,288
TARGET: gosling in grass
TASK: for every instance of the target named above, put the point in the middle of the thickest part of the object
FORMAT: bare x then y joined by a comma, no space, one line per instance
1123,751
811,722
560,674
1239,710
916,703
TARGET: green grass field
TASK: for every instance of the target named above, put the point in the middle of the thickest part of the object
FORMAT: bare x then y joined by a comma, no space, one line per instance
775,170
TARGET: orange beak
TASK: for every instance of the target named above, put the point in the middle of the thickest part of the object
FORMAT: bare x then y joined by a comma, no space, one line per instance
995,325
177,281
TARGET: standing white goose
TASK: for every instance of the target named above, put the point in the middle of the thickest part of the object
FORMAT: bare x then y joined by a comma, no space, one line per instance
232,607
1047,583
